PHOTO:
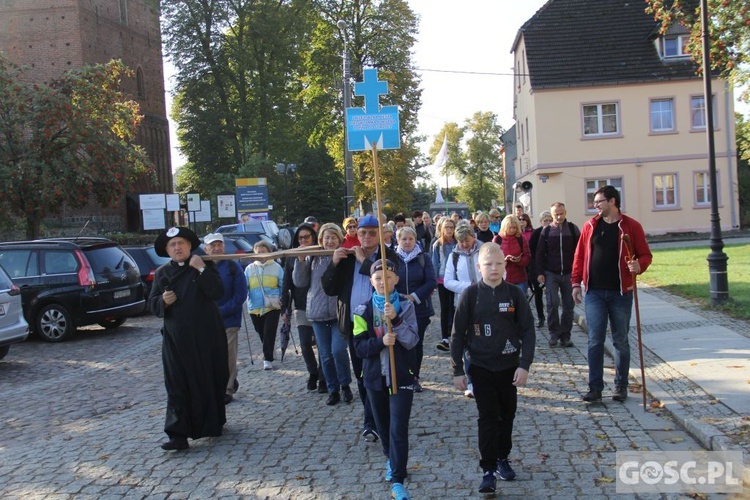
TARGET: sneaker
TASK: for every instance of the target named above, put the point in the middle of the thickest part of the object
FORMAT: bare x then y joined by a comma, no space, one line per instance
175,443
348,396
489,483
469,392
540,323
553,341
566,343
504,470
322,386
621,393
267,365
444,345
312,382
388,471
399,492
417,385
334,398
370,435
592,396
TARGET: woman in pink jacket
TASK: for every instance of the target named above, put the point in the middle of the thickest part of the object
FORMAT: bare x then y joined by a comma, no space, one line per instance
516,250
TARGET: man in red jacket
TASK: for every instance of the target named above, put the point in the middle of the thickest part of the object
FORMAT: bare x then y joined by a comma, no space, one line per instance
602,266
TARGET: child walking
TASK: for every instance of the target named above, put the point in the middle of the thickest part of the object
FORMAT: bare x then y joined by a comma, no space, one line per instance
371,342
494,323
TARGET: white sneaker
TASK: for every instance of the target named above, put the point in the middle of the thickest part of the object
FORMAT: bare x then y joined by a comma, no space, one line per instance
469,392
267,365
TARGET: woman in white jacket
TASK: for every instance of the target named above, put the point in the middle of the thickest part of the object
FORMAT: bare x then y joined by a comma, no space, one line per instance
460,272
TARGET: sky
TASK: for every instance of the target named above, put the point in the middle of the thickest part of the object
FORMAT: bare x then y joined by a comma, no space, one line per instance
475,37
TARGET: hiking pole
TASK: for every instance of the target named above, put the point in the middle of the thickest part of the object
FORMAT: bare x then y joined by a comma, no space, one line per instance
247,334
626,239
391,354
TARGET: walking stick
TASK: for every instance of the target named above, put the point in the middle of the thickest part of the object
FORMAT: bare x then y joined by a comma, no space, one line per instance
391,355
626,239
247,334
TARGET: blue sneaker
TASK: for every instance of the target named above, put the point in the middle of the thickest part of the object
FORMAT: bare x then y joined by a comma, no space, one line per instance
388,470
399,492
489,483
504,470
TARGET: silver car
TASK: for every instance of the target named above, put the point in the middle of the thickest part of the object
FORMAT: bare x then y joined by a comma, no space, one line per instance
13,327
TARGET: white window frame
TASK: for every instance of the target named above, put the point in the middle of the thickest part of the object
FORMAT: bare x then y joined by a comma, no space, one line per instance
698,113
682,41
592,185
705,187
600,119
660,115
664,189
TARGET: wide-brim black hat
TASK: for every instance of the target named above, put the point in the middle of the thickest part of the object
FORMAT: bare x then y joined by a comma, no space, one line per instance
160,245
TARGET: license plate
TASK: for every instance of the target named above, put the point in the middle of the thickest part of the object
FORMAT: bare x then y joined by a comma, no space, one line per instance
122,293
2,310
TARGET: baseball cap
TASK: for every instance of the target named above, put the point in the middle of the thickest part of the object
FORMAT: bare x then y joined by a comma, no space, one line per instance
311,220
368,221
211,237
389,264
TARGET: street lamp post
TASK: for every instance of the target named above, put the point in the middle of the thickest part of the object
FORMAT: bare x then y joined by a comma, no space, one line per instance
346,89
283,169
717,259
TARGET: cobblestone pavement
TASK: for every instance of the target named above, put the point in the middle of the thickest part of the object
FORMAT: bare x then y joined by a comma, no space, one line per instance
84,418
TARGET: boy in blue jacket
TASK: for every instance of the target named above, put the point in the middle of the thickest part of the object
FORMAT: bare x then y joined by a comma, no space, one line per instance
494,323
371,339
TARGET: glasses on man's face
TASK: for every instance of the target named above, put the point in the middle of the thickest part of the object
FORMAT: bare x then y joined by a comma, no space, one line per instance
599,202
363,232
304,237
351,226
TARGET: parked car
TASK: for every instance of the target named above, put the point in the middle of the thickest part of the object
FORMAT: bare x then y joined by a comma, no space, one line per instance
13,326
71,282
148,262
235,245
252,231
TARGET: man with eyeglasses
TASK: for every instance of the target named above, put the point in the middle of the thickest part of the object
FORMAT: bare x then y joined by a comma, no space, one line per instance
348,278
601,266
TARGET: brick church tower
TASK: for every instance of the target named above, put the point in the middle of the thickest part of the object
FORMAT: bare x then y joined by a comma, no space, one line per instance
52,36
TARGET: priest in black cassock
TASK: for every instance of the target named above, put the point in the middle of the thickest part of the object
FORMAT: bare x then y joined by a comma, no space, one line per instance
194,346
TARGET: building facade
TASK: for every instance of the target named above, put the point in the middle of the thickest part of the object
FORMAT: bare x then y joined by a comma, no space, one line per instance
600,97
53,36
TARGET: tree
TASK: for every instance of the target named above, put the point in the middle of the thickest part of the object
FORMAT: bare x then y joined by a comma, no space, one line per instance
743,167
729,33
483,172
67,142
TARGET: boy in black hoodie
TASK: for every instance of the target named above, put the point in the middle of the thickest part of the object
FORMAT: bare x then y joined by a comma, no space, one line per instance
493,322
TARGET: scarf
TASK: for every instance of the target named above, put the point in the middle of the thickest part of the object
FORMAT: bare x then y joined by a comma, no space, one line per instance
407,257
378,301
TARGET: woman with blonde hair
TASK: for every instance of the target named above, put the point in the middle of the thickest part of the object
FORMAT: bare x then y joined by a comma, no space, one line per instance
441,252
516,250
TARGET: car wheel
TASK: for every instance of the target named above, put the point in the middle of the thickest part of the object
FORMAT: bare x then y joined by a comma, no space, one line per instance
111,323
53,323
4,351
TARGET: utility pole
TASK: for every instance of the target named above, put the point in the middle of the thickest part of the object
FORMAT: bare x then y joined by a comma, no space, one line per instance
346,89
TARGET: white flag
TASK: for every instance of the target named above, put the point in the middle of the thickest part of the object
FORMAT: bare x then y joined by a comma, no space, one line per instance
442,157
439,196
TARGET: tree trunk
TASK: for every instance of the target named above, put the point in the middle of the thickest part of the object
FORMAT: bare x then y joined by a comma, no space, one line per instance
32,226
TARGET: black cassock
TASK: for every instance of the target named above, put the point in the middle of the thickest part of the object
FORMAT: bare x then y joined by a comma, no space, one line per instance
194,350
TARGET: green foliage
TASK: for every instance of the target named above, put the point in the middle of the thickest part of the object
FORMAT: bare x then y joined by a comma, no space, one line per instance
743,168
684,272
423,196
729,34
67,142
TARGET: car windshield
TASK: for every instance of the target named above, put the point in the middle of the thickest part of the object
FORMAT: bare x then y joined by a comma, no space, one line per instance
247,227
5,282
109,259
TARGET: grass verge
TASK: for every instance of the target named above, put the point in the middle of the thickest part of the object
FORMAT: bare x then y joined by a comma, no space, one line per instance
684,272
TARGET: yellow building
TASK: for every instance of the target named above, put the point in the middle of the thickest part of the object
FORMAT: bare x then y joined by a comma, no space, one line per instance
600,97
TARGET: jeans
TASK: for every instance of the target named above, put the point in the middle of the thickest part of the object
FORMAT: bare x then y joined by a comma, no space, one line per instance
603,305
392,413
232,352
559,285
497,399
334,354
